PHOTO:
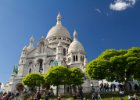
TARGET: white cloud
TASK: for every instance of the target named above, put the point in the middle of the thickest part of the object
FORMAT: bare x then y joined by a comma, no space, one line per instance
120,5
98,10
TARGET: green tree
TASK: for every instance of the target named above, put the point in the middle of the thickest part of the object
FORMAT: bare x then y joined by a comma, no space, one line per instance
32,80
133,59
57,75
116,65
97,69
75,78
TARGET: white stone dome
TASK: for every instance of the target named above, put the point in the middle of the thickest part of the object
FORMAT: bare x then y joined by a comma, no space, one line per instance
58,30
76,46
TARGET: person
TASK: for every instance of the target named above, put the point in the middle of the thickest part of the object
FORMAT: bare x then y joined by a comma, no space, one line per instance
85,98
59,97
81,93
47,97
135,97
130,97
121,94
51,92
136,87
74,96
16,95
5,96
94,96
99,96
38,95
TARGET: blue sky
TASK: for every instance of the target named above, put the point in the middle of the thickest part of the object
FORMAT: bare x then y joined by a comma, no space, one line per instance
101,25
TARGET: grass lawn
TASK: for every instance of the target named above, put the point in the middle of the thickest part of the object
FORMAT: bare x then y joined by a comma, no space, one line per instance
106,98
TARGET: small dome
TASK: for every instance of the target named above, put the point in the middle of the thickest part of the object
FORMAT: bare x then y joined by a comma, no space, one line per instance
58,30
76,46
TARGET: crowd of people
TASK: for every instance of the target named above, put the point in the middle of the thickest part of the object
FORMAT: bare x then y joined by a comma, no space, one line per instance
113,87
8,96
133,97
35,95
80,95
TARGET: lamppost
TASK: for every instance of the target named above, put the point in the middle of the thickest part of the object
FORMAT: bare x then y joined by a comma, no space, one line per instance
92,87
0,85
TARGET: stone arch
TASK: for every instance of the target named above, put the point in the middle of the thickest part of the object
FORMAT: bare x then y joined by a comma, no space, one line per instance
40,63
30,70
51,61
64,51
19,87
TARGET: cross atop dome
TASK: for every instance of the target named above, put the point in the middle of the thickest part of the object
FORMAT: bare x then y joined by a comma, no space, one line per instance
75,35
59,18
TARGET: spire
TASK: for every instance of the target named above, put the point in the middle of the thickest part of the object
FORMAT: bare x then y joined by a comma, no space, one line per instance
24,48
31,42
32,39
59,18
42,37
75,35
15,69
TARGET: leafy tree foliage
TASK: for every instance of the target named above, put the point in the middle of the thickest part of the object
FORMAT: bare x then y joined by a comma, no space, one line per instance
97,69
61,75
76,76
33,79
57,75
116,65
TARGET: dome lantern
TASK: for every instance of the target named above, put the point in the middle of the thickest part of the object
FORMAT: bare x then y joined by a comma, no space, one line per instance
75,35
59,18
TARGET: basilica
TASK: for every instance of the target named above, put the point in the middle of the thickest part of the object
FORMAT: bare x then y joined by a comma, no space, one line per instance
57,48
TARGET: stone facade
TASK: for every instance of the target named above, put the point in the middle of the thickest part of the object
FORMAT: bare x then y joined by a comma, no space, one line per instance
56,49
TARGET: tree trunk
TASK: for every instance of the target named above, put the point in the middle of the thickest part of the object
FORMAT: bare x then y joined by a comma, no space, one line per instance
70,90
57,91
125,86
39,88
21,95
64,89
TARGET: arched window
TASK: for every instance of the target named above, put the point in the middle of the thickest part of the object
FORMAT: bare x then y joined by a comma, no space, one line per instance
30,64
76,58
51,61
64,51
30,70
81,58
40,62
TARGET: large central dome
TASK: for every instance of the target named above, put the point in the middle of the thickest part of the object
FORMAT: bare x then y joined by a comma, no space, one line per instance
58,30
